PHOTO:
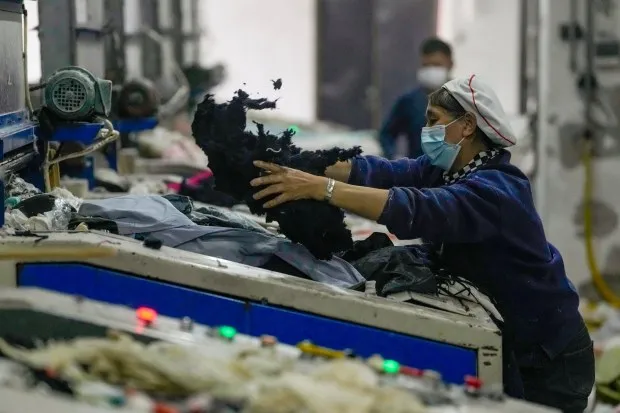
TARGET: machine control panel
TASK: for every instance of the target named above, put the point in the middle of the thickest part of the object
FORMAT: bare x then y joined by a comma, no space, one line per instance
179,357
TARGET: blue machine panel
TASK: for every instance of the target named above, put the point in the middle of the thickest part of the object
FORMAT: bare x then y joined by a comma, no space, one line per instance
251,318
135,125
16,131
116,288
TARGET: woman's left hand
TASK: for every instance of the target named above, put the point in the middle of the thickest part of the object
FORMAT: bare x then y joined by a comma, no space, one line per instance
289,184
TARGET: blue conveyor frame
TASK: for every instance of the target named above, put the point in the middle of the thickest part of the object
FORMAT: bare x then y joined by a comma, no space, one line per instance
248,317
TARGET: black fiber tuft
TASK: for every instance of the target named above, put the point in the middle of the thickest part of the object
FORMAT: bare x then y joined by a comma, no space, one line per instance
220,130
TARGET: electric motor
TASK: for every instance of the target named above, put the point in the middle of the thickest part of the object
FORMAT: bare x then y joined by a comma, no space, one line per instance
138,98
74,94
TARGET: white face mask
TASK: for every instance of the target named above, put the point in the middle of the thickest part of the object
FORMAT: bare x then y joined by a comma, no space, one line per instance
432,77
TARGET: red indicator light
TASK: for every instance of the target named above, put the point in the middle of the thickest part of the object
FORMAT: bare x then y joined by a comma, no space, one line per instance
411,371
473,382
146,314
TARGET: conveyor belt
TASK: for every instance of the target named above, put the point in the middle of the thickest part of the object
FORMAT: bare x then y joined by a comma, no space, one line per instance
28,314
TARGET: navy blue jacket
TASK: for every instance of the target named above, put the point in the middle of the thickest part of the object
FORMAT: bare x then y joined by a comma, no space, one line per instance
491,236
407,117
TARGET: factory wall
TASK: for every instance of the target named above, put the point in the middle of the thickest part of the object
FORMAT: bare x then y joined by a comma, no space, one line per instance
262,40
564,172
485,36
255,55
236,36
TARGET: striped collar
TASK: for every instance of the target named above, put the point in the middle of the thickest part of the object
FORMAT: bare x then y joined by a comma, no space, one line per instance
478,160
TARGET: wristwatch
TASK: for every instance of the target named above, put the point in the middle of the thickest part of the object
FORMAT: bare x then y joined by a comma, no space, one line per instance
329,190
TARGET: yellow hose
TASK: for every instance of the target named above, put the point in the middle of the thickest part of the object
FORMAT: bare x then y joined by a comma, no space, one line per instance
52,177
588,191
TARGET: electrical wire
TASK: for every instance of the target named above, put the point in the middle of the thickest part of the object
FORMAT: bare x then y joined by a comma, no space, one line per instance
54,170
599,282
468,292
109,135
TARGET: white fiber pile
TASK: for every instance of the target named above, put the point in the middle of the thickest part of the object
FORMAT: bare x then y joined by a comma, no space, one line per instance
262,378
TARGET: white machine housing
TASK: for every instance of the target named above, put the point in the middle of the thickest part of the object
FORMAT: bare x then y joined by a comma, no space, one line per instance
450,321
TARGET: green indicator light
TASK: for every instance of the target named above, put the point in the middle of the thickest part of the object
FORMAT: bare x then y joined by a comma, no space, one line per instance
117,401
227,332
294,129
11,202
391,367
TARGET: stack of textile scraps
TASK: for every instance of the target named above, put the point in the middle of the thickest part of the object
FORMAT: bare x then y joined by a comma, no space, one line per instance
174,222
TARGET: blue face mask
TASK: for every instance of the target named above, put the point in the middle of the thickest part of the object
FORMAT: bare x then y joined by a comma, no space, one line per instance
441,153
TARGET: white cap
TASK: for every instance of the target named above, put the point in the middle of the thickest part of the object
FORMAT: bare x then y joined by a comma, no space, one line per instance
480,99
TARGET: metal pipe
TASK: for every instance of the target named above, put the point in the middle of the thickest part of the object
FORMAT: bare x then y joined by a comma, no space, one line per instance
524,28
114,42
152,65
572,33
196,29
534,9
589,84
543,127
375,86
57,34
177,31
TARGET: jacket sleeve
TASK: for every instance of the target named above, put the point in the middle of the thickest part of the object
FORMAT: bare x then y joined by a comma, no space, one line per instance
377,172
465,212
391,128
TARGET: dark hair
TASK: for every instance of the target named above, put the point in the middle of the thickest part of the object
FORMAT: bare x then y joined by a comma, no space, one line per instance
435,45
447,102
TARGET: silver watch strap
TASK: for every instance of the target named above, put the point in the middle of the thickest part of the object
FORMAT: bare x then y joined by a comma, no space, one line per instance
329,190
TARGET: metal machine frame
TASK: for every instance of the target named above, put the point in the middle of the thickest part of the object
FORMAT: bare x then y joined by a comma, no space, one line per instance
19,152
188,38
218,292
17,129
115,62
177,21
71,34
152,53
90,33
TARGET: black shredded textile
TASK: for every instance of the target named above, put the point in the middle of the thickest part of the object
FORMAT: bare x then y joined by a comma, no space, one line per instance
220,130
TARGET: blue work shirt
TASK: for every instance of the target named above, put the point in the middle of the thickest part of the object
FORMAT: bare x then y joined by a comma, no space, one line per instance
491,235
407,117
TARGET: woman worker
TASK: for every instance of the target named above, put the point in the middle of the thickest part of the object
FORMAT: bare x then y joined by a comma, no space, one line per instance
464,198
